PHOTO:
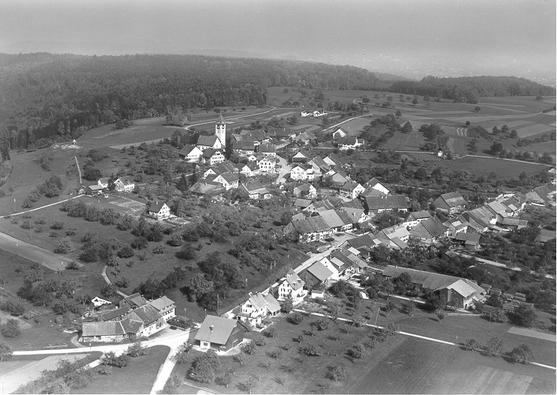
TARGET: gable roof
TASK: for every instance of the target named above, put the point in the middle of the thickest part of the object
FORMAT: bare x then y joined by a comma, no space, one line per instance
267,148
215,330
272,304
332,219
102,328
156,206
294,280
450,200
416,215
319,271
387,202
428,229
207,141
162,303
365,240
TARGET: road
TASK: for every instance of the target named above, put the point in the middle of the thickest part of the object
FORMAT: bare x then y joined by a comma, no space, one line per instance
283,171
230,119
40,208
346,120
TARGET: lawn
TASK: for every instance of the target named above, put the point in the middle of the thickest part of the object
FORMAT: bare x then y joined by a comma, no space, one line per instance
292,372
417,366
136,378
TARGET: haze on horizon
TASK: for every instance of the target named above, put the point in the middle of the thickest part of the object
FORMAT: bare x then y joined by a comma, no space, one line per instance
411,38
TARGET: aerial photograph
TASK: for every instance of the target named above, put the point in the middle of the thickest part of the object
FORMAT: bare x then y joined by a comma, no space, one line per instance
277,197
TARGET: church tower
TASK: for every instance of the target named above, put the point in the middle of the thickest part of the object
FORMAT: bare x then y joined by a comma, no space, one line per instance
220,131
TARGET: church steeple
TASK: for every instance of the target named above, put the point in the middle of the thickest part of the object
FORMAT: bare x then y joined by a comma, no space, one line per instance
220,131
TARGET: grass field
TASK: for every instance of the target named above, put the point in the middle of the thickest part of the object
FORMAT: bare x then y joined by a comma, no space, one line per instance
136,378
419,367
484,166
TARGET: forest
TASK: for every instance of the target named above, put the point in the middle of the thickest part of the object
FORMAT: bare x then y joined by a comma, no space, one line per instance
46,97
469,89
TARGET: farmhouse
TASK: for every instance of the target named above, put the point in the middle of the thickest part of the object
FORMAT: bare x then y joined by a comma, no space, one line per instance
267,164
451,203
256,190
191,154
228,180
302,172
348,143
305,190
213,156
415,218
309,229
124,184
428,231
351,189
377,205
375,188
292,287
337,220
158,211
454,291
103,182
258,307
219,333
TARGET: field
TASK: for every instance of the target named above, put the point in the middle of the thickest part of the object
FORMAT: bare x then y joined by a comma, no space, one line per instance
418,367
484,166
136,378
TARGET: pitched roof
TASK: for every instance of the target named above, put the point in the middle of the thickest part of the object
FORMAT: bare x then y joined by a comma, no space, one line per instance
428,229
267,148
332,219
302,203
365,240
451,199
428,280
207,141
156,207
230,177
258,301
416,215
135,299
162,303
294,280
114,314
147,314
465,287
245,145
387,202
215,329
319,271
102,328
272,304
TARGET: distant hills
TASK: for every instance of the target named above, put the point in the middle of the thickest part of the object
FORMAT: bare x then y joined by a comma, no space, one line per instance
45,96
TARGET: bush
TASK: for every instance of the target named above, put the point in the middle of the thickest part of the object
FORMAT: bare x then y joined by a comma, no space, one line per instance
356,351
320,324
309,350
111,359
249,348
186,252
270,332
15,309
135,350
11,329
337,373
125,252
5,352
158,250
521,354
295,318
522,315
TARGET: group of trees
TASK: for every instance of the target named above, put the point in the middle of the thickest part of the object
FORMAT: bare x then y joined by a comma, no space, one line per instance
470,89
52,187
498,149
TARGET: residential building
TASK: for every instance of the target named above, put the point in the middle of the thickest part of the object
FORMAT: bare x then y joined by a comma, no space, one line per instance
451,203
375,205
316,274
309,229
191,154
158,211
300,157
302,172
428,231
414,218
338,134
245,148
305,190
292,287
213,156
256,190
267,149
228,180
348,143
103,182
258,307
375,188
351,189
219,333
267,164
337,220
124,184
454,291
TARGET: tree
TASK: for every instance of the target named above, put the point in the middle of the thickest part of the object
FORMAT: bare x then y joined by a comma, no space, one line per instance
186,252
521,354
337,373
477,109
203,368
494,346
249,348
295,318
183,352
135,350
496,148
125,252
522,315
5,352
472,345
11,328
287,305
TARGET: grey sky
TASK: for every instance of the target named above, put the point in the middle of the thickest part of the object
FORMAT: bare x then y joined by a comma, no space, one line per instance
407,37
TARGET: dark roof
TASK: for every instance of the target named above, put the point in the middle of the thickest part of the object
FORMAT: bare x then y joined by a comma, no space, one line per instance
319,271
267,148
156,207
207,141
187,149
428,229
215,330
147,314
387,202
450,200
111,315
361,241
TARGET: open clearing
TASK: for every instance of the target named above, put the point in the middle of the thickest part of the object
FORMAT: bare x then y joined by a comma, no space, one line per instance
136,378
417,366
532,333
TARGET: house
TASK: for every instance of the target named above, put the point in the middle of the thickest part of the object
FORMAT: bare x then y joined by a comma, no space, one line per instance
338,178
306,137
267,164
213,156
258,307
453,227
255,190
267,149
292,287
305,114
319,165
249,169
469,239
428,231
135,318
329,160
245,148
375,188
93,190
302,172
513,223
191,153
103,182
415,218
309,229
481,218
98,302
219,333
337,220
454,291
124,184
351,189
305,190
300,157
165,306
207,188
302,204
158,211
450,203
228,180
348,143
339,133
394,237
355,211
347,262
316,274
375,205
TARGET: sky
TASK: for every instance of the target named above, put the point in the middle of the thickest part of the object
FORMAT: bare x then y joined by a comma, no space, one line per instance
412,38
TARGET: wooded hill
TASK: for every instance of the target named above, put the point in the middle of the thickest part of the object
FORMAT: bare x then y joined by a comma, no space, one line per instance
469,89
45,97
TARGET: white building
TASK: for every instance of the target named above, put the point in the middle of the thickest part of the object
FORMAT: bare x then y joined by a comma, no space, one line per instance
292,287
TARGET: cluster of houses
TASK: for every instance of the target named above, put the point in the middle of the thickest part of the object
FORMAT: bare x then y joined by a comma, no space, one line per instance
104,184
134,318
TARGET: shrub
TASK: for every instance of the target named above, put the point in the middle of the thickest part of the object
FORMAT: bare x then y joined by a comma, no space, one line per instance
125,252
295,318
10,329
15,309
356,351
310,350
73,265
521,354
57,225
270,332
320,324
249,348
522,315
5,352
135,350
337,373
158,250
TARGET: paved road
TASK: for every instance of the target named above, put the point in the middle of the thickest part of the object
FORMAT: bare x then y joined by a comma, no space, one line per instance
33,253
230,119
40,208
346,120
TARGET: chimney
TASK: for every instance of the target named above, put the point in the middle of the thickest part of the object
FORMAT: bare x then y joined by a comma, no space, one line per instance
211,328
